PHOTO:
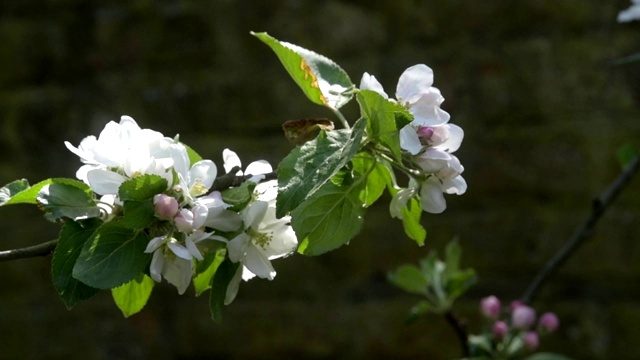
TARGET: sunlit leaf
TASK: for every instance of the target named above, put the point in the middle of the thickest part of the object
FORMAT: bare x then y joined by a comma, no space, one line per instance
133,296
321,79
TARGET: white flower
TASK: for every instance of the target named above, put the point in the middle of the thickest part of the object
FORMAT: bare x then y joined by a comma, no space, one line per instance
264,238
256,168
193,181
445,169
414,91
630,14
189,220
218,217
172,261
122,146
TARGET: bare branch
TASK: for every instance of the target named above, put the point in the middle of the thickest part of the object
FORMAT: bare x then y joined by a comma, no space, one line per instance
461,331
43,249
585,230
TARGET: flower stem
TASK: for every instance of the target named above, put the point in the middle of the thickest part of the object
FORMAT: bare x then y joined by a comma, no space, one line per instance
342,119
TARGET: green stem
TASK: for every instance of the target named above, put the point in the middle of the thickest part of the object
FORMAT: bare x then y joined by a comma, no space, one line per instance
342,119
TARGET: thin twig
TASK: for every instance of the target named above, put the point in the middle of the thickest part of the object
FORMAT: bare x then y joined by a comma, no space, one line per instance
585,230
43,249
461,331
222,182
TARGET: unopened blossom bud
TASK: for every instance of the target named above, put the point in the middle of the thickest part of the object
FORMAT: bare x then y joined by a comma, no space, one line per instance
500,329
531,340
523,317
425,133
549,322
515,304
490,307
166,206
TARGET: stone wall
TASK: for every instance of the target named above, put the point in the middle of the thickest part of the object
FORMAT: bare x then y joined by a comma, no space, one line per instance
531,83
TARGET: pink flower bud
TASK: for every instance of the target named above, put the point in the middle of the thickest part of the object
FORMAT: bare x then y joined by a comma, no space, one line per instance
490,307
500,329
523,317
549,322
425,133
531,340
515,304
166,206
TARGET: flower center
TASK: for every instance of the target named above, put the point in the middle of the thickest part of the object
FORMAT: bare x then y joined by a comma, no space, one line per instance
259,238
198,188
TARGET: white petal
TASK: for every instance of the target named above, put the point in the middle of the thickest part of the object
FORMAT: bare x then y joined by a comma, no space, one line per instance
456,134
193,249
237,247
432,200
247,274
178,272
157,263
155,243
426,109
200,213
409,140
257,263
179,250
104,182
231,160
234,285
413,83
180,160
223,220
81,174
254,213
257,168
457,185
84,151
369,82
399,201
204,171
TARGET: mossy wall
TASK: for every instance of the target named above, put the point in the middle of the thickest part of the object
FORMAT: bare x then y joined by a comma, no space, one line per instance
531,83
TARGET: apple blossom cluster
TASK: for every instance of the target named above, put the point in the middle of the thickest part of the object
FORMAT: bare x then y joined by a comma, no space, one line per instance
513,330
189,217
429,140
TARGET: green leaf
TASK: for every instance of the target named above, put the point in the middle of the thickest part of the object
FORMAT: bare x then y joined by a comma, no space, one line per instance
381,115
547,356
418,310
411,215
225,272
310,166
321,79
72,238
239,196
26,196
378,176
133,296
194,157
328,219
453,252
112,256
205,271
142,187
67,198
138,214
626,153
10,191
459,282
410,279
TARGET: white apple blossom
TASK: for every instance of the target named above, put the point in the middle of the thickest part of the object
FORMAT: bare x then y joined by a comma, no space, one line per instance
122,150
414,91
264,238
630,14
194,180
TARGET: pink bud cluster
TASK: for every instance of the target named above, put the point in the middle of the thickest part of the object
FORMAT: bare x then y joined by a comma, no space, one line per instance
518,320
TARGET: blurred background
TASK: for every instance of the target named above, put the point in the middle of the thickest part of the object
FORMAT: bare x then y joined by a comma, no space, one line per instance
530,82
